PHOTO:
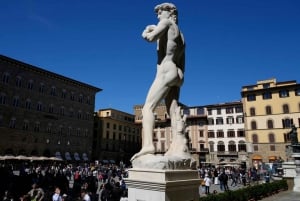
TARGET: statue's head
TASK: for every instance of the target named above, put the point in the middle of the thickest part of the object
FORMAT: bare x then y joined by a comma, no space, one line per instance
170,8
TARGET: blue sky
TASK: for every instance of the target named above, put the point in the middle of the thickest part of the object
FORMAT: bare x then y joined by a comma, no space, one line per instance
229,44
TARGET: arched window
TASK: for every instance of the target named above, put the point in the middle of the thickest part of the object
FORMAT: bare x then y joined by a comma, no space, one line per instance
268,110
271,138
270,123
255,138
253,125
285,109
221,146
231,146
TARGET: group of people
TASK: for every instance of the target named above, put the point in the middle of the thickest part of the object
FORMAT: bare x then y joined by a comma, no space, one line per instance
62,182
224,177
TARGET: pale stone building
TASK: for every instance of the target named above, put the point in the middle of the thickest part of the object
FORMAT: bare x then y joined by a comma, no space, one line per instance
226,135
43,113
270,108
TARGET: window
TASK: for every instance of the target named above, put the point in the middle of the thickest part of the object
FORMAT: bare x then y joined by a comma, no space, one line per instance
39,106
200,111
267,95
219,111
251,97
53,91
210,121
253,125
51,108
19,82
231,146
209,111
266,85
49,128
162,145
162,134
285,109
12,123
239,119
80,98
252,111
25,125
268,110
107,125
219,121
79,115
16,101
2,99
270,124
211,134
63,94
230,120
272,148
255,147
283,93
36,127
271,138
238,109
297,92
221,147
242,146
287,123
201,133
220,134
30,85
230,133
28,104
211,146
41,88
241,133
255,138
5,78
229,110
72,96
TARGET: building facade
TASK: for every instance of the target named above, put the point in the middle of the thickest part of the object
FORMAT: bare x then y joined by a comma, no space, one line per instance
116,136
43,113
271,108
196,131
226,135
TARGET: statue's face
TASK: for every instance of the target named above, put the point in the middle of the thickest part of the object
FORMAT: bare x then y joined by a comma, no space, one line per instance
163,14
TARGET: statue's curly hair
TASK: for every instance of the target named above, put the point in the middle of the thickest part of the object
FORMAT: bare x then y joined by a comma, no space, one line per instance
168,7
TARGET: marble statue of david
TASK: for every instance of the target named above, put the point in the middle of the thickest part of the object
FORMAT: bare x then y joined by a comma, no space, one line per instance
167,82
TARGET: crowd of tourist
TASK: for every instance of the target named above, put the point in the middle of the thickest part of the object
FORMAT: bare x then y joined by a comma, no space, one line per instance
227,176
27,181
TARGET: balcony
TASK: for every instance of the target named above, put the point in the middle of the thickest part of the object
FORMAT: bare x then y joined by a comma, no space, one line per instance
227,154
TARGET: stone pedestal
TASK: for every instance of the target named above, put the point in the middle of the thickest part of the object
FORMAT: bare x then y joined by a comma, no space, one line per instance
296,156
289,173
162,185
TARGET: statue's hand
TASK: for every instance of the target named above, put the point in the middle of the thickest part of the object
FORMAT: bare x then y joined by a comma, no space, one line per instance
147,30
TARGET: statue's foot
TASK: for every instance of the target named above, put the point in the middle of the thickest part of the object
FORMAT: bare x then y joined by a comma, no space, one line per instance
144,151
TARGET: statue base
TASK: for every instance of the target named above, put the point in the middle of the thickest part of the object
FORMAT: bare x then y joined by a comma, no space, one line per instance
296,156
162,185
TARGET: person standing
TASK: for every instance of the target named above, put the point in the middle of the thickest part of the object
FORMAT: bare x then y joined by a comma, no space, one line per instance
56,196
169,75
208,182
